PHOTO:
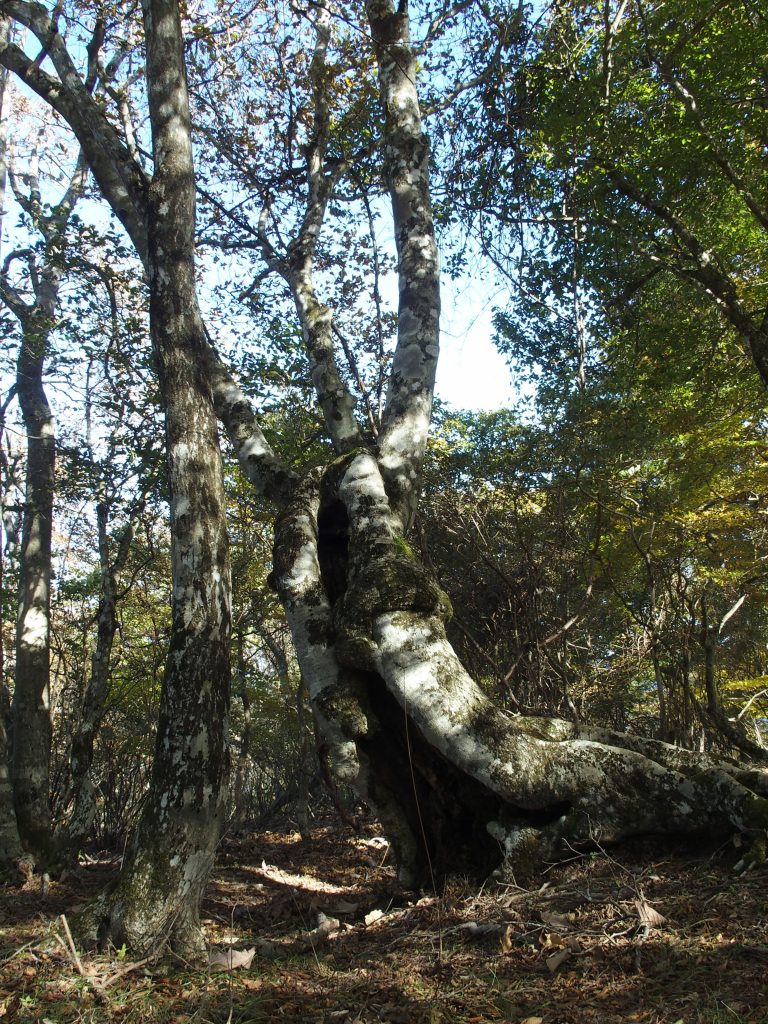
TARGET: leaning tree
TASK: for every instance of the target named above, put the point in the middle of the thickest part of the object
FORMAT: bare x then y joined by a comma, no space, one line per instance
457,782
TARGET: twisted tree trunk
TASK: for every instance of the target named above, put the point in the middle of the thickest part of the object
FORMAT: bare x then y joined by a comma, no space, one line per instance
459,784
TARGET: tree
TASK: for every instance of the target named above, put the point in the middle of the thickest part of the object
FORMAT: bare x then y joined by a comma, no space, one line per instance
36,315
159,892
404,722
622,141
11,849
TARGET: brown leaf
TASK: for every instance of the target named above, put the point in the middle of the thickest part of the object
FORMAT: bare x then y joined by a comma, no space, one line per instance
558,958
506,940
649,917
251,984
372,917
551,940
231,959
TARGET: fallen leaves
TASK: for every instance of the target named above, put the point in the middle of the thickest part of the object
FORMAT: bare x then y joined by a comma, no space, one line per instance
564,952
558,921
649,918
231,959
305,882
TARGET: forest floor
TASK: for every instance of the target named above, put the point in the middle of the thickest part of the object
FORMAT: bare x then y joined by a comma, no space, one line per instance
644,933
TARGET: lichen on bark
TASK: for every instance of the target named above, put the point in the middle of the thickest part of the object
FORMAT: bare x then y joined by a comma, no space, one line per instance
458,782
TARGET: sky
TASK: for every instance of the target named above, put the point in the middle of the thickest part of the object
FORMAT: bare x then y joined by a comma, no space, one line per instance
470,372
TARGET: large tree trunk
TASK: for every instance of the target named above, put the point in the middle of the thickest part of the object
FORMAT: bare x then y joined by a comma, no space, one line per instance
31,697
158,894
458,783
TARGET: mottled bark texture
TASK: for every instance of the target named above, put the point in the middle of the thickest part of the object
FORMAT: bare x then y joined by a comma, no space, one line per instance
158,894
31,695
294,260
405,149
125,186
12,853
459,784
170,856
36,317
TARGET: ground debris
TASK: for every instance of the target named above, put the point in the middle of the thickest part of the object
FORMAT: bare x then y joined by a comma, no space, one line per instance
646,935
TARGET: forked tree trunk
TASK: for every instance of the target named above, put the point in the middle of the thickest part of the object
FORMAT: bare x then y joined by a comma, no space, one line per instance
459,784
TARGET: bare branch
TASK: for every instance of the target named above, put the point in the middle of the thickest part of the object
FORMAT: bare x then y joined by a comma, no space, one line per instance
121,179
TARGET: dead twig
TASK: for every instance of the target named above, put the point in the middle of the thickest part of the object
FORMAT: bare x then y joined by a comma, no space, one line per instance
91,979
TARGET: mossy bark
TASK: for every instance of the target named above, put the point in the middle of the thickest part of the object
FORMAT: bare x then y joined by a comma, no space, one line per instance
156,899
459,784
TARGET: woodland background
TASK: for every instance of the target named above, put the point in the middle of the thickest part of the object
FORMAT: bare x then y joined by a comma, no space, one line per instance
602,169
603,543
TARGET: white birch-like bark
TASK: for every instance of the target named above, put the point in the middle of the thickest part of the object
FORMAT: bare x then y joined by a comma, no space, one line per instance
170,857
408,408
337,690
121,178
125,187
296,264
458,783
